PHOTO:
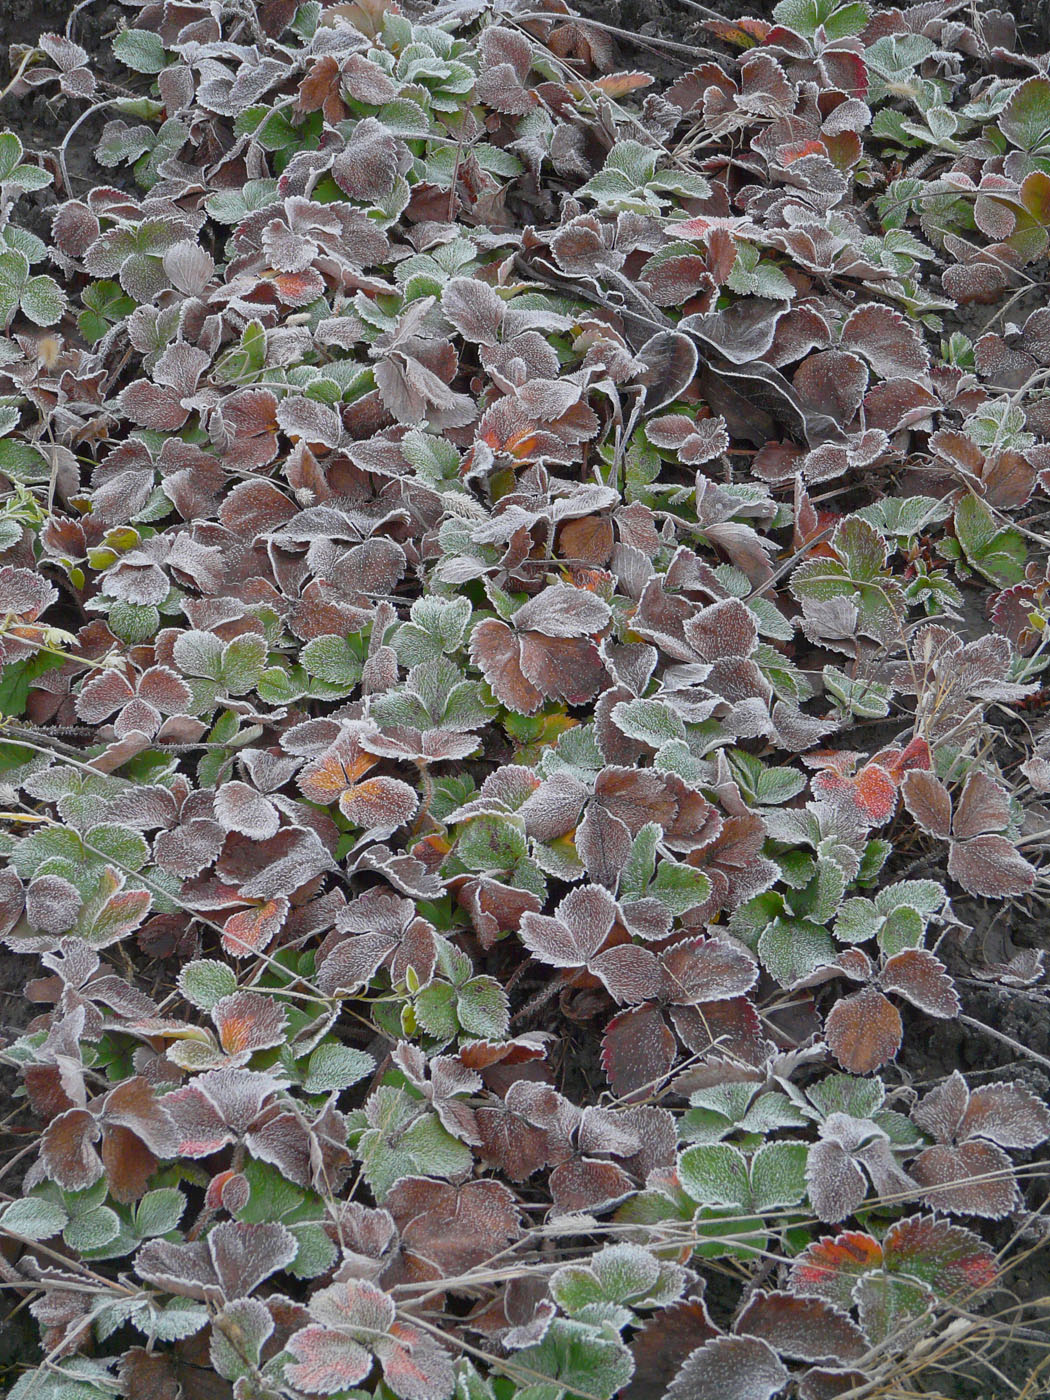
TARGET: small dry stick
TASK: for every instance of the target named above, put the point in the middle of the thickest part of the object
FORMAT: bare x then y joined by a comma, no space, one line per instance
1006,1040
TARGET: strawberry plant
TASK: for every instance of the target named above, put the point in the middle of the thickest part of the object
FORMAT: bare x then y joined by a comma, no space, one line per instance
522,612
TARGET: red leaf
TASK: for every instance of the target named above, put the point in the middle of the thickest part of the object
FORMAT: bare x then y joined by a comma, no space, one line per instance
706,969
887,340
723,630
416,1367
496,651
240,808
326,1361
952,1260
829,1268
833,383
379,805
587,1184
837,1186
661,1345
67,1153
1008,1114
871,794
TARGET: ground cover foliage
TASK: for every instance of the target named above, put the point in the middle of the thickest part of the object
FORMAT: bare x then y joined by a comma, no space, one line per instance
518,605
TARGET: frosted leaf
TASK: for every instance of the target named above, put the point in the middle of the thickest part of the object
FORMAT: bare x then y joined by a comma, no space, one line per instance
731,1368
864,1031
804,1329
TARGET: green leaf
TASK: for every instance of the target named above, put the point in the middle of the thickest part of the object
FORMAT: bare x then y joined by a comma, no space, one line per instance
820,897
230,206
332,1067
857,921
438,626
715,1174
423,1148
140,49
198,654
778,784
43,301
23,462
436,1010
206,981
11,151
651,722
778,1175
332,659
895,56
133,622
39,297
77,1378
927,896
237,1338
147,109
680,887
905,516
482,1009
1025,120
904,928
13,171
492,843
638,869
271,1196
126,848
755,915
17,679
34,248
876,853
105,303
858,695
34,1218
121,143
276,132
791,949
316,1253
159,1212
847,1093
92,1230
243,659
181,1317
278,686
581,1360
998,554
807,16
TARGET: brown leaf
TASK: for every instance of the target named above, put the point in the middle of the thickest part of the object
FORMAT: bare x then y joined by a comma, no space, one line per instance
638,1050
926,798
589,539
975,1178
863,1031
990,866
663,1343
923,980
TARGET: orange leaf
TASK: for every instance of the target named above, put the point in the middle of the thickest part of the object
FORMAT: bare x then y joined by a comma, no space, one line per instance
863,1031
